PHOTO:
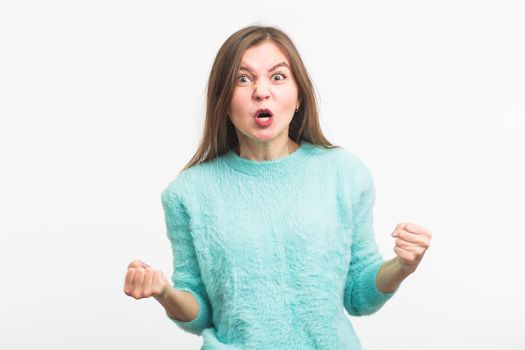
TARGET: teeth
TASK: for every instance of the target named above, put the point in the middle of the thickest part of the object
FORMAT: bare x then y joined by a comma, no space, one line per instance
264,118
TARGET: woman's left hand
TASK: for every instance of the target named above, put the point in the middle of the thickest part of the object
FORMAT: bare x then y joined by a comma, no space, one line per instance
411,244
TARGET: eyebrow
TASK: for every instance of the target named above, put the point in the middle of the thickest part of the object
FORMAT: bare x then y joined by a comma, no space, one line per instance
280,64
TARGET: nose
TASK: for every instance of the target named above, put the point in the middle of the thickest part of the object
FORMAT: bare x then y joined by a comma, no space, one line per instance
261,92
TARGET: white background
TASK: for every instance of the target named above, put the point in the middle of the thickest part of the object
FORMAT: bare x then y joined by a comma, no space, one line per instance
102,102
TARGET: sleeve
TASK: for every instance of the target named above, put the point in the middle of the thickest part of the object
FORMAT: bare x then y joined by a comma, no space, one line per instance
186,273
361,296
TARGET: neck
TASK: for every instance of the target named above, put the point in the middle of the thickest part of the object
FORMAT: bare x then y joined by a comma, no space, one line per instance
265,151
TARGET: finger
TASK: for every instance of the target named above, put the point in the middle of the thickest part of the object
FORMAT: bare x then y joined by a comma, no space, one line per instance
403,253
408,226
148,281
138,263
408,245
138,283
128,285
411,255
417,229
408,258
155,282
409,236
159,282
134,263
413,238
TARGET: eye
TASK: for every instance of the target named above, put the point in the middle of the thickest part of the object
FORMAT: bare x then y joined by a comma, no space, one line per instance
281,75
243,79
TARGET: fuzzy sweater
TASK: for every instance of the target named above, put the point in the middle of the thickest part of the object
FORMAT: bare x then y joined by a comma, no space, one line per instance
274,251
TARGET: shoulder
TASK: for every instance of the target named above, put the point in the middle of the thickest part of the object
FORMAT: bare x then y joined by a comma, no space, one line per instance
353,173
347,162
190,181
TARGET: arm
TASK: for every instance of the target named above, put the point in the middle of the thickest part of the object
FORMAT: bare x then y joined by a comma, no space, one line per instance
179,305
362,295
411,244
391,275
191,310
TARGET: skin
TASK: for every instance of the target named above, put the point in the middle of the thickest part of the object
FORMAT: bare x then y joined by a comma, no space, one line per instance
277,90
412,241
257,88
143,281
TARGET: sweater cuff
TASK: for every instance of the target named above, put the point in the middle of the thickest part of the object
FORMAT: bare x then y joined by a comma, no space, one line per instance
372,294
201,321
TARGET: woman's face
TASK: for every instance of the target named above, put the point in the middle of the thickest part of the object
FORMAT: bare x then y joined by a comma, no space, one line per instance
264,81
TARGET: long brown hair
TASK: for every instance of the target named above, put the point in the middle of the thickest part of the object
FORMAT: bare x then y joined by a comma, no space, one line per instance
219,135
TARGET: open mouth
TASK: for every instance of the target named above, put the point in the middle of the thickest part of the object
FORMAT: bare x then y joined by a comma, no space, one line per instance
264,116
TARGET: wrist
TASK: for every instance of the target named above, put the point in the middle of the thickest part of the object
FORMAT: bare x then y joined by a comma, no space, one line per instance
166,292
403,268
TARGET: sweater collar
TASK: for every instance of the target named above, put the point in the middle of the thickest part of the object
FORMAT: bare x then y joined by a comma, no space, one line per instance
281,165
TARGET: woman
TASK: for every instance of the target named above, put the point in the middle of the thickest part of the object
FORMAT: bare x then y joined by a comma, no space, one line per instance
270,224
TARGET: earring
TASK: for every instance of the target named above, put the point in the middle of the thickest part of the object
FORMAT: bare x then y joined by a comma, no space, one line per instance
297,109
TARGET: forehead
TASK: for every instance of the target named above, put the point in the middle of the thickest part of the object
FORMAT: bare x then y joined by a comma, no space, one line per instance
263,56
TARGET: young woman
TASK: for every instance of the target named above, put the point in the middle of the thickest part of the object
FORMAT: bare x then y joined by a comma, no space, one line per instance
270,224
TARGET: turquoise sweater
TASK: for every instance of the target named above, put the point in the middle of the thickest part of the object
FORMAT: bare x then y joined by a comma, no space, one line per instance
274,251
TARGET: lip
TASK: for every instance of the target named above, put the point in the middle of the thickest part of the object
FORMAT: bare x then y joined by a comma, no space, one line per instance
259,111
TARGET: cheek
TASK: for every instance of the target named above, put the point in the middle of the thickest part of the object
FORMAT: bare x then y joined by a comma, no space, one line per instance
289,95
238,102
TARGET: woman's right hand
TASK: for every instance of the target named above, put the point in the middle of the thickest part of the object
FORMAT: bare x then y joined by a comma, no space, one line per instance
142,281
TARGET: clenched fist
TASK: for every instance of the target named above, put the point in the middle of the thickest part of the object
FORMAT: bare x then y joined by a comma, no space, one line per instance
411,244
142,281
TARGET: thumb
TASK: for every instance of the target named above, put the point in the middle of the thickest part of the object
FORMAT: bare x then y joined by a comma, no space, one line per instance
138,263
